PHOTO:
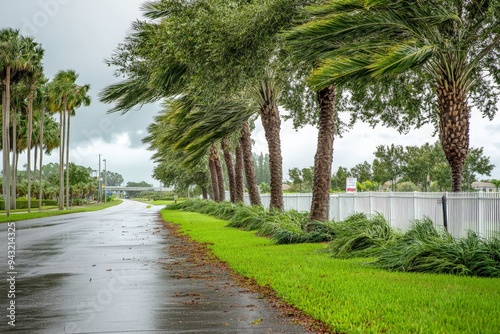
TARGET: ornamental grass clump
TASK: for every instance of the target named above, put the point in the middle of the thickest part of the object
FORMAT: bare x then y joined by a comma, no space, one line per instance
250,218
285,227
222,210
321,231
360,236
195,205
426,249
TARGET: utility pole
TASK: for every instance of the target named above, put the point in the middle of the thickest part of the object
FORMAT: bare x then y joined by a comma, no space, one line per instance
99,182
105,172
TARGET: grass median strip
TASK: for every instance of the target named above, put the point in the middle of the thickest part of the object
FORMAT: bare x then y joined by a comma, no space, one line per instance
35,214
345,294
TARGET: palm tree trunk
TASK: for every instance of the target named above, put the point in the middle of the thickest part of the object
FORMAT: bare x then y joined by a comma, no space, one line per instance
13,203
40,195
204,192
238,175
246,145
324,156
213,177
35,162
228,159
68,128
271,122
15,168
453,126
5,139
30,132
62,121
220,174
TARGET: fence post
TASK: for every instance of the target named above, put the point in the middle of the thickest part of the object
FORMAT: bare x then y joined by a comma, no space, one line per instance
445,212
415,205
390,208
370,202
480,206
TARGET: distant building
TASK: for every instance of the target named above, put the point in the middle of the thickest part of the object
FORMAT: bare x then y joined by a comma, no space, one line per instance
483,186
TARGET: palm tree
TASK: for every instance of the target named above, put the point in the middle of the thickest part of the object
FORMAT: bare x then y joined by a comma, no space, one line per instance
266,94
67,96
238,174
323,158
41,102
10,61
451,43
214,174
228,159
77,98
246,146
35,73
18,138
60,89
496,183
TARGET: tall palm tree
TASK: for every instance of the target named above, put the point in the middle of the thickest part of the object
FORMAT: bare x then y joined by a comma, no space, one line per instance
49,141
18,138
41,106
67,96
35,71
78,97
246,146
238,174
11,60
60,90
214,174
452,43
228,159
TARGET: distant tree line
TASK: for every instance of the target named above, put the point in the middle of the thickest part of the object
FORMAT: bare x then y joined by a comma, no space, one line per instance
410,168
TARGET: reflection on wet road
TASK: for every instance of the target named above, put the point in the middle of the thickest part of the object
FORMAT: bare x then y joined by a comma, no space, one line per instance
103,272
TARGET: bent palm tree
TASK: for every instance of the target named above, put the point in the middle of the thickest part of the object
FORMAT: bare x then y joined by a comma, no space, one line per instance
451,42
266,95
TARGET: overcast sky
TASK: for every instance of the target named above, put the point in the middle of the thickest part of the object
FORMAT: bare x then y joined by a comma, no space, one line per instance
80,34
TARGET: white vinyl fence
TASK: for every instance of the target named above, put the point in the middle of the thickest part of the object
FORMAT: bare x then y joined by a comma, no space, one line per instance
479,212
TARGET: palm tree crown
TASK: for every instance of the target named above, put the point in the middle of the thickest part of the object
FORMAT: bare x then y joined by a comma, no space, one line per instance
451,43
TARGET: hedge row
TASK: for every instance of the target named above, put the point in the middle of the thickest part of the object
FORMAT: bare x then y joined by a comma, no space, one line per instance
23,203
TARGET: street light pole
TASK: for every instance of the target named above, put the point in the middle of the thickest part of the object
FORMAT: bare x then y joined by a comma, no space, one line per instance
105,172
99,182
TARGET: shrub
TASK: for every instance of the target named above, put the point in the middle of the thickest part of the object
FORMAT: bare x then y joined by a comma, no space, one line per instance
22,203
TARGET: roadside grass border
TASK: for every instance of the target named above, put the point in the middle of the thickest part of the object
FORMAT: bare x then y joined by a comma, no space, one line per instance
51,213
156,202
345,294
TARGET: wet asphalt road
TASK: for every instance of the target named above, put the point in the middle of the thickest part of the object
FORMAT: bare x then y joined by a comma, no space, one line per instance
111,271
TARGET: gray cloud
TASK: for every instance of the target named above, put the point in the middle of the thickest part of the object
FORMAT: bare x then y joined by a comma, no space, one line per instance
79,35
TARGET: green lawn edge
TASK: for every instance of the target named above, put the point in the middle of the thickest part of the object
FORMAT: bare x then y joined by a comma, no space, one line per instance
35,214
348,295
156,202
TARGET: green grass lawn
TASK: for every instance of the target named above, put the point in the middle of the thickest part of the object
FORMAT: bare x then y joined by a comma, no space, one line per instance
17,216
346,294
159,202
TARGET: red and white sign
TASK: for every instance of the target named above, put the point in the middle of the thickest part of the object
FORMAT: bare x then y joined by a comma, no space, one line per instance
350,184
